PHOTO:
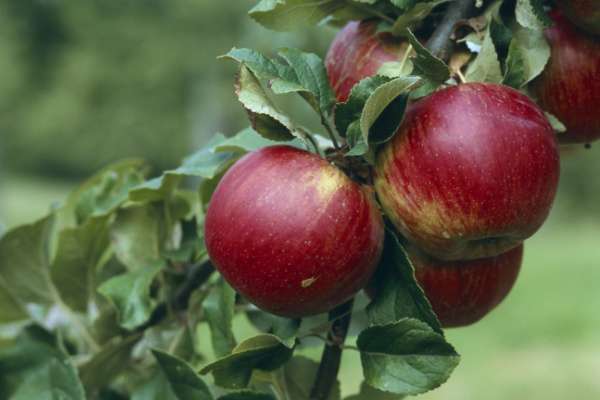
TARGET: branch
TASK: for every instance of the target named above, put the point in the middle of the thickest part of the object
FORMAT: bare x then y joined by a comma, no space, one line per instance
179,299
332,353
439,44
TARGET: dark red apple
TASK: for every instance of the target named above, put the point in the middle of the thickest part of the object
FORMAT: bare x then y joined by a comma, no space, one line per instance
472,171
462,292
569,86
583,13
357,52
292,233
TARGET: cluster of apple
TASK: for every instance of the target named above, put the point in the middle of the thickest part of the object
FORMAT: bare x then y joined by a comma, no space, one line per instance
471,173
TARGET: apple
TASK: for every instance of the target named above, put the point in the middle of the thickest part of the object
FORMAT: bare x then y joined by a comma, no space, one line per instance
471,172
569,86
357,52
583,13
292,233
461,292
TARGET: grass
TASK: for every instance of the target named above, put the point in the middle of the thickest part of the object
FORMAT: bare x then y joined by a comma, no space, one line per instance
540,343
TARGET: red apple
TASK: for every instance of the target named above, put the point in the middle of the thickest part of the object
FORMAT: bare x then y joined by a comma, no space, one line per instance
292,233
583,13
462,292
357,52
472,171
569,86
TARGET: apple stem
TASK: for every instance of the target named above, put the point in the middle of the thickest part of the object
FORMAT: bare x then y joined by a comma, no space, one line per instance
332,136
440,44
332,353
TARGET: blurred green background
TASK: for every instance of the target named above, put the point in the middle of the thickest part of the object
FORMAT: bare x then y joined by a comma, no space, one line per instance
83,84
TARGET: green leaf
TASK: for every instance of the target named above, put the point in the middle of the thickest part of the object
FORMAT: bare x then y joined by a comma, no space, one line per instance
246,395
398,294
264,115
11,310
312,75
73,269
368,392
286,329
351,111
265,352
130,295
135,235
36,369
110,191
534,49
431,69
513,73
299,375
530,14
405,357
206,163
415,14
183,380
290,15
219,308
109,363
24,263
384,110
486,66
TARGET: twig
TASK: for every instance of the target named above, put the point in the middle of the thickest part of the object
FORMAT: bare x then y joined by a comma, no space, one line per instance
439,44
332,354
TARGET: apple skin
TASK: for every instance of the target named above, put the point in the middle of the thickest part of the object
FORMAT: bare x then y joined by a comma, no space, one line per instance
291,233
461,292
569,86
357,52
472,171
583,13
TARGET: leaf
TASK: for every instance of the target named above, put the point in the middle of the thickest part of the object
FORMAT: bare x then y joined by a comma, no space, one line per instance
286,329
534,49
368,392
130,295
431,69
486,66
110,191
264,115
219,308
205,163
183,380
11,310
24,263
266,352
415,14
398,294
80,249
36,369
134,236
530,14
513,74
290,15
312,75
299,375
384,110
405,357
109,363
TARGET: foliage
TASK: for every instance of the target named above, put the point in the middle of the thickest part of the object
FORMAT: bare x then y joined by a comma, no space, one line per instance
108,291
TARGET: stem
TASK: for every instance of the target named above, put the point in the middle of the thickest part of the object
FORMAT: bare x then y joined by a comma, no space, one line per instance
332,354
179,299
439,44
332,136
